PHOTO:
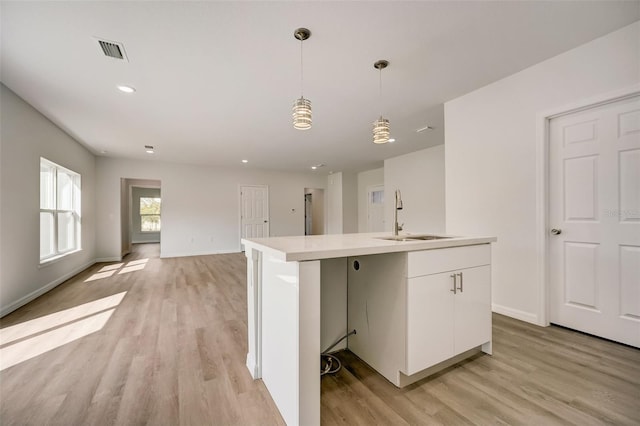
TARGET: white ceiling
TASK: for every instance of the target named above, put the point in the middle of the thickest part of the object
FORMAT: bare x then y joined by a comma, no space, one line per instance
216,80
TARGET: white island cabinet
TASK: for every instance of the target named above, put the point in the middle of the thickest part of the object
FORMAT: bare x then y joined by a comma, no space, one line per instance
448,294
415,310
416,305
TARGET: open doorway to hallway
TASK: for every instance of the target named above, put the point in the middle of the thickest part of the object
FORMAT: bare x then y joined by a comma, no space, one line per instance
313,211
141,212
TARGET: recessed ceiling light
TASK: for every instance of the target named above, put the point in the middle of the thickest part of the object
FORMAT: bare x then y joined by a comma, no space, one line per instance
317,166
314,167
392,140
149,149
245,161
126,89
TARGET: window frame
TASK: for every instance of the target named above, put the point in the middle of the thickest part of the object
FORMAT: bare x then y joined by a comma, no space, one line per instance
75,211
142,215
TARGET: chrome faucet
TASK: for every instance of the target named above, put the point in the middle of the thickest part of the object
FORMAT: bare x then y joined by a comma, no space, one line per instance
398,206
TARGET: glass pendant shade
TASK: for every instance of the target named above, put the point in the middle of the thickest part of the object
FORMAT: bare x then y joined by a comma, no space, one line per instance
381,131
301,113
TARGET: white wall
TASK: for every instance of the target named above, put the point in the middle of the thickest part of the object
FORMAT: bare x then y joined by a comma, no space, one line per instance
200,205
334,203
365,180
349,203
420,178
491,156
342,203
25,136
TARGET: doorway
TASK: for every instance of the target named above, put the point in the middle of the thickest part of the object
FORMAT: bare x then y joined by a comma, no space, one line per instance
308,214
139,225
594,220
313,211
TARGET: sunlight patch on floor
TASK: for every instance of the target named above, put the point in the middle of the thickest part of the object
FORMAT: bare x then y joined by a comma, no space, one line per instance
109,270
137,262
111,267
41,343
31,338
100,275
132,268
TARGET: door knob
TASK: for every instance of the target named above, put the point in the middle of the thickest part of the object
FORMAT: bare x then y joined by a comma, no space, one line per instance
556,231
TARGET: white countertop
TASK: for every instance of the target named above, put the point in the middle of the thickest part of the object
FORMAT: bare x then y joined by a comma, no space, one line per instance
315,247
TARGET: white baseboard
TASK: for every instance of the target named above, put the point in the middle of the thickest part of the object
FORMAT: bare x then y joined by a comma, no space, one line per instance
253,368
42,290
108,259
515,313
188,254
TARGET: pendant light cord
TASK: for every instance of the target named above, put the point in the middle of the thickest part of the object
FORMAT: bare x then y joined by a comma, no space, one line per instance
380,95
301,71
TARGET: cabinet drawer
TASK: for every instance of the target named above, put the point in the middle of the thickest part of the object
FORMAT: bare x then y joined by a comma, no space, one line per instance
428,262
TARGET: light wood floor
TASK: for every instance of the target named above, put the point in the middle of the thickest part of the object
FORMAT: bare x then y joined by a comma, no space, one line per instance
172,352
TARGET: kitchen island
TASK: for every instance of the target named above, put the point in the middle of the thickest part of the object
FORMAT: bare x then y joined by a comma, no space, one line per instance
415,301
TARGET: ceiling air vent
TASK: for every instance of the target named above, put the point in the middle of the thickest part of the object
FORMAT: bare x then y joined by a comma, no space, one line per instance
112,49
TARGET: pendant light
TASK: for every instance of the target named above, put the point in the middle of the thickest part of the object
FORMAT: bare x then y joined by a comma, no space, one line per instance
381,130
301,107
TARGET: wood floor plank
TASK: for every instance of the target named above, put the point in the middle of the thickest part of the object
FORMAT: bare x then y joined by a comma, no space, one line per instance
173,353
541,405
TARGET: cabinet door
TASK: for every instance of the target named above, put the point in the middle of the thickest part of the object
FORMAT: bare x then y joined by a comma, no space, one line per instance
430,316
473,309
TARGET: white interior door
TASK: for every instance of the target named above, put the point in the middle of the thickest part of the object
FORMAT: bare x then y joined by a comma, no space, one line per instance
375,208
254,211
594,247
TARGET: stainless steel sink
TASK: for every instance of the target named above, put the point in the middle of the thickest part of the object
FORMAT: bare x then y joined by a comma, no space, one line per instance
413,238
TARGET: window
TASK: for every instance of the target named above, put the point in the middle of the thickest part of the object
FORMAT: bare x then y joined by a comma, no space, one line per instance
149,214
377,197
59,211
